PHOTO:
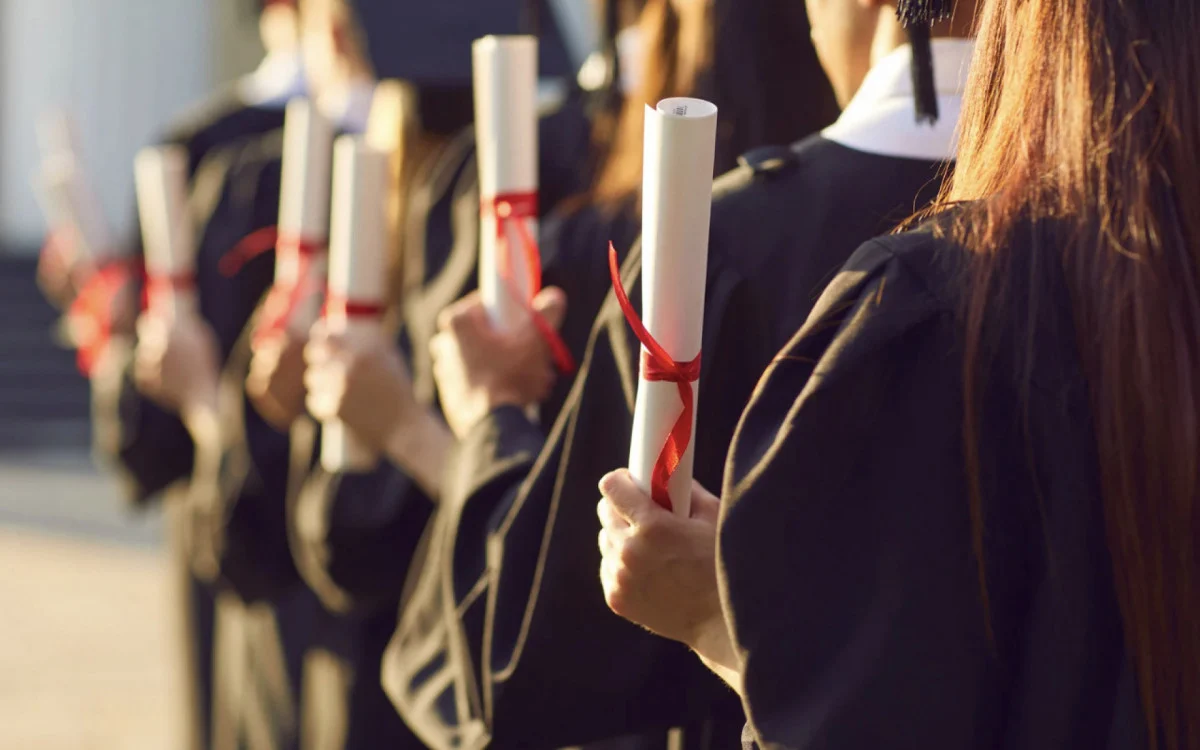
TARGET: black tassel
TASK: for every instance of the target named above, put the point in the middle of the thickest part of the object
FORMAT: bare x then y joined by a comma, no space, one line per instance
924,87
923,12
612,27
533,18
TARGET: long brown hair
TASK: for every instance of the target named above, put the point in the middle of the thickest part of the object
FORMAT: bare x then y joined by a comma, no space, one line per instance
752,58
1084,113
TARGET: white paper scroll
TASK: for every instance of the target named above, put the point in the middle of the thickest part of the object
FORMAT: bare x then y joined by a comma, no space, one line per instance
65,192
677,177
161,179
57,135
357,273
70,205
506,133
304,208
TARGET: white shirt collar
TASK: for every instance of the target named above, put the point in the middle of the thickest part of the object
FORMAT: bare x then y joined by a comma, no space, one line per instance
880,119
348,108
277,79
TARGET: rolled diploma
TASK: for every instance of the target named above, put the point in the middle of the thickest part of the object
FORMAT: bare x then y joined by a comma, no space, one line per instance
160,177
677,180
58,135
506,134
304,201
70,203
357,271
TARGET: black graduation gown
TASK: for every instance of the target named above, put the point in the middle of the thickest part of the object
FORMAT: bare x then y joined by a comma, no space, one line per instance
514,641
146,445
354,535
234,190
847,568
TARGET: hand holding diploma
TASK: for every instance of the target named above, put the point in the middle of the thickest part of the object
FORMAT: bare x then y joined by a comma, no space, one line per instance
479,367
506,135
357,277
176,361
275,383
365,385
659,569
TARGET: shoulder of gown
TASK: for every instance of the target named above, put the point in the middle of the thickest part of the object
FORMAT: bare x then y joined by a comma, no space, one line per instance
845,556
848,569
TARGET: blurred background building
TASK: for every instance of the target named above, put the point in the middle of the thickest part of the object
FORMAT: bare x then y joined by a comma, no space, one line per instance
85,652
121,69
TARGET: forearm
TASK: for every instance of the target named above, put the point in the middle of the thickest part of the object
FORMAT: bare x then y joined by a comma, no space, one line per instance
420,445
714,645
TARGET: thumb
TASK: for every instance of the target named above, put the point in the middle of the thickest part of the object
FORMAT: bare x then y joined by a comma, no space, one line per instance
551,304
625,496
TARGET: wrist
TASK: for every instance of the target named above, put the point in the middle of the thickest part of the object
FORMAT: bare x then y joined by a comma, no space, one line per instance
713,644
199,412
419,445
497,398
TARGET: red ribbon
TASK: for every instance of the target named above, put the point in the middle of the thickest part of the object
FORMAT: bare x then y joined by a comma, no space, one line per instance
158,287
283,299
351,308
658,366
94,305
516,209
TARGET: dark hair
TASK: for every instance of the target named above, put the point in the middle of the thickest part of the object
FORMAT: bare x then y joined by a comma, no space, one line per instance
752,58
1083,112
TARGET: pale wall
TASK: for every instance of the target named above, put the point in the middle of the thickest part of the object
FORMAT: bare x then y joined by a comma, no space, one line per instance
121,67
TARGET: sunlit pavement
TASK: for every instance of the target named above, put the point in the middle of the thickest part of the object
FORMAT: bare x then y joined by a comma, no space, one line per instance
86,659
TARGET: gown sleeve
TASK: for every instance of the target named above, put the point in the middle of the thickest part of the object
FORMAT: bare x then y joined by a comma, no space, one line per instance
847,569
147,446
353,534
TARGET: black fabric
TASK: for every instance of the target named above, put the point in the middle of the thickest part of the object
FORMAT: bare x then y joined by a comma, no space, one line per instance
239,530
354,535
430,43
846,559
148,446
231,170
529,639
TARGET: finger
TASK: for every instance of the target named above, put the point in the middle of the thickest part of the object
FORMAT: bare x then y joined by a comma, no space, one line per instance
323,406
609,518
609,547
318,352
439,346
627,499
318,331
551,304
457,309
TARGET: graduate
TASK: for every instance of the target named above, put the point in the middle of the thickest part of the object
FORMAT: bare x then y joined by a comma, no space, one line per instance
781,226
352,534
236,504
959,511
143,441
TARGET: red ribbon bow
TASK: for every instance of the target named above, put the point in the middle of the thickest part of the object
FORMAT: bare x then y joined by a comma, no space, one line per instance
160,286
93,307
351,308
283,299
515,209
658,366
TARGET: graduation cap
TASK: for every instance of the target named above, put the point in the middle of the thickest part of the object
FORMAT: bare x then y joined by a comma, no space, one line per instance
429,43
917,16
